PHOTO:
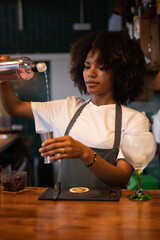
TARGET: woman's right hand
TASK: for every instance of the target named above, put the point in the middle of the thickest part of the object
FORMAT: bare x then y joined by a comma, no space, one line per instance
2,59
12,104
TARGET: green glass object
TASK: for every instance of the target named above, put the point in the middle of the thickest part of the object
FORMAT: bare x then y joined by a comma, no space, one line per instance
139,195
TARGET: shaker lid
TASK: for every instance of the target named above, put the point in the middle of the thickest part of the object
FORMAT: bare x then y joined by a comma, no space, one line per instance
41,67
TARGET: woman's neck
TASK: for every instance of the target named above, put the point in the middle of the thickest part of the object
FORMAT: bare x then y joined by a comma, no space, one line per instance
102,100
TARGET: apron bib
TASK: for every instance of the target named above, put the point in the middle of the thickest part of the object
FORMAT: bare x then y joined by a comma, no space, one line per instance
74,173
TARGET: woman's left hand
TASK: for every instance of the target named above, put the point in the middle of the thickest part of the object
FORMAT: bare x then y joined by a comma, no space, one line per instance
64,147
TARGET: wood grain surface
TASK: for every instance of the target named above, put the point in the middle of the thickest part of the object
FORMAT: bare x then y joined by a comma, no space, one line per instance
6,142
23,216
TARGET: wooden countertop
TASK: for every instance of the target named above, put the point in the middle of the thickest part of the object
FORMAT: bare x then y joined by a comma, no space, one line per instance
23,216
6,139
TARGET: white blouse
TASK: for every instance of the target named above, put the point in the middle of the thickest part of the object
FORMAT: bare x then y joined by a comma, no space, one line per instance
95,127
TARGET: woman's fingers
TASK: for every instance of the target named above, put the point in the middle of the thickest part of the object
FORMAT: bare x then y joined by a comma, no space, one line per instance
50,150
57,143
4,57
54,155
61,147
57,140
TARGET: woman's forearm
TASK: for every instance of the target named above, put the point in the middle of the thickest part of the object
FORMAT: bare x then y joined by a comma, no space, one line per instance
12,104
113,175
118,175
8,98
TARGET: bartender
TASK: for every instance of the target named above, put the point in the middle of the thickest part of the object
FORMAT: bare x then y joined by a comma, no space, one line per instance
110,67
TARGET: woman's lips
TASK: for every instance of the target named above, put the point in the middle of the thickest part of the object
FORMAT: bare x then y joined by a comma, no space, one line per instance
92,83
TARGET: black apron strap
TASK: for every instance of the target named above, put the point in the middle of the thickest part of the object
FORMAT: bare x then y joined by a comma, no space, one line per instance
76,115
118,124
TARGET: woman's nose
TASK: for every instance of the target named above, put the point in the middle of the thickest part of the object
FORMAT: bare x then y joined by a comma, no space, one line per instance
92,72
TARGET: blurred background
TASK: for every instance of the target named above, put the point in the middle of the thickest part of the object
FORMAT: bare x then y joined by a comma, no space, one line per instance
44,31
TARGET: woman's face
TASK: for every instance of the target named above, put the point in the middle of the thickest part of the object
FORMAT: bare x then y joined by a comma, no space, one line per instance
98,81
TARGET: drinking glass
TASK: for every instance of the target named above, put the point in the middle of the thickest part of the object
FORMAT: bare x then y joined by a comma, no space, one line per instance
138,150
44,137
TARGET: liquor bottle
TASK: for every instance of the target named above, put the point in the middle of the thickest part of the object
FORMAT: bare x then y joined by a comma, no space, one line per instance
22,68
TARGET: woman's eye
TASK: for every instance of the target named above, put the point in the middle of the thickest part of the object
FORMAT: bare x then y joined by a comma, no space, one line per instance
101,68
86,67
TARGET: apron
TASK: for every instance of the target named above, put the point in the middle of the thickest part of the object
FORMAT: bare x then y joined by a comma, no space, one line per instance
73,172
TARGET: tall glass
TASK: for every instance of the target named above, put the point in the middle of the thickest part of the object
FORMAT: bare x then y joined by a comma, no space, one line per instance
138,150
44,137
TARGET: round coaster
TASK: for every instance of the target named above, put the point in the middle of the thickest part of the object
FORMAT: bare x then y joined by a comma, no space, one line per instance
79,189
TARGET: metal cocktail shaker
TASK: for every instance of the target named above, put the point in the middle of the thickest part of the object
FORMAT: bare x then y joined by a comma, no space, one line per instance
22,68
44,137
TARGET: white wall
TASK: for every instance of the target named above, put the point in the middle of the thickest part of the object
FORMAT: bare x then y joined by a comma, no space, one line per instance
62,86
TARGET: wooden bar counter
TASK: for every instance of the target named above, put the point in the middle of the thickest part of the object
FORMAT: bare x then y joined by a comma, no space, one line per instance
6,139
23,216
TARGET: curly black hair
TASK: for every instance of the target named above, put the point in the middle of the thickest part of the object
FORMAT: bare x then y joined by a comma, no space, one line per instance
117,52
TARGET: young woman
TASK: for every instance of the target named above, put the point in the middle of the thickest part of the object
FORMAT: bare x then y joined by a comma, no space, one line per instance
110,67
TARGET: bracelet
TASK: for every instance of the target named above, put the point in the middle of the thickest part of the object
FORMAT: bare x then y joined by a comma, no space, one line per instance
94,160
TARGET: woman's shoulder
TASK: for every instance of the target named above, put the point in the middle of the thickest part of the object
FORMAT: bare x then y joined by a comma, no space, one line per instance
71,101
127,111
70,104
76,100
133,119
